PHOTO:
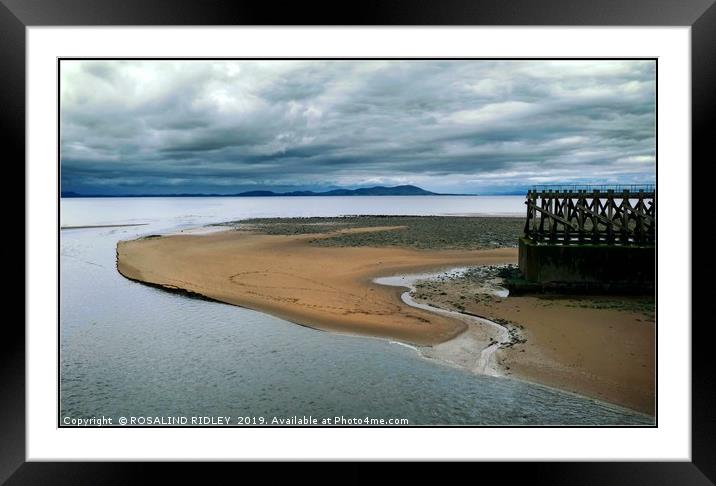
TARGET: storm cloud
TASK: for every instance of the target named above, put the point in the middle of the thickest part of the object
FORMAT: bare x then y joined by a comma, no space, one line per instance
460,126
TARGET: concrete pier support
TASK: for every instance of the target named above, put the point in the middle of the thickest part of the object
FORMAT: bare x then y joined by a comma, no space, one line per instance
587,265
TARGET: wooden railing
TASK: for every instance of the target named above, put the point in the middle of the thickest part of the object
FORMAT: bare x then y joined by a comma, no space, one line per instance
613,215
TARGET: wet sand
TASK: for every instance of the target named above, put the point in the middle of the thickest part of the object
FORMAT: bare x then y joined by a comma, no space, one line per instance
285,276
603,353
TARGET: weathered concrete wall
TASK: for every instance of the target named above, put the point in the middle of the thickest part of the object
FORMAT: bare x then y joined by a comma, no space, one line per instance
629,265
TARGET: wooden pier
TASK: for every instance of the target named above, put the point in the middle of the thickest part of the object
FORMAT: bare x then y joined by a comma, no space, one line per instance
590,237
615,215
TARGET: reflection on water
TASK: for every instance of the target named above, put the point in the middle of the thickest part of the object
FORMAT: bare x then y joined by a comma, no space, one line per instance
128,349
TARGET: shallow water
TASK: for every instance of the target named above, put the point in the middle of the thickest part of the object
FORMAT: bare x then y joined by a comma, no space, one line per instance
481,355
127,349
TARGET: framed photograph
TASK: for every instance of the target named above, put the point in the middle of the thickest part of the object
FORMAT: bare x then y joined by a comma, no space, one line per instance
430,235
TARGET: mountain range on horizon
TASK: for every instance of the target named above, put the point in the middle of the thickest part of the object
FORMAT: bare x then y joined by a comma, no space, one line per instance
404,190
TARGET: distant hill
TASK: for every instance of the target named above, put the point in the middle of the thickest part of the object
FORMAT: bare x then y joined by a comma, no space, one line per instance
366,191
405,190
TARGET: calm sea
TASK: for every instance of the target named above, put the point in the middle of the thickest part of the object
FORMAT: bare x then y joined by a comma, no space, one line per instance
131,350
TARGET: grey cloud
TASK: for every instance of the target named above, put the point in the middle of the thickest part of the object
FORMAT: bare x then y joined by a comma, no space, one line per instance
225,126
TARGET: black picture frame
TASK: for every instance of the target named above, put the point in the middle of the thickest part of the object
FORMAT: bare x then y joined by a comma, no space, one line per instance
16,15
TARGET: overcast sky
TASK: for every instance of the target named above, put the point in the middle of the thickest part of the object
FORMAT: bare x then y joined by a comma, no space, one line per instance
446,126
